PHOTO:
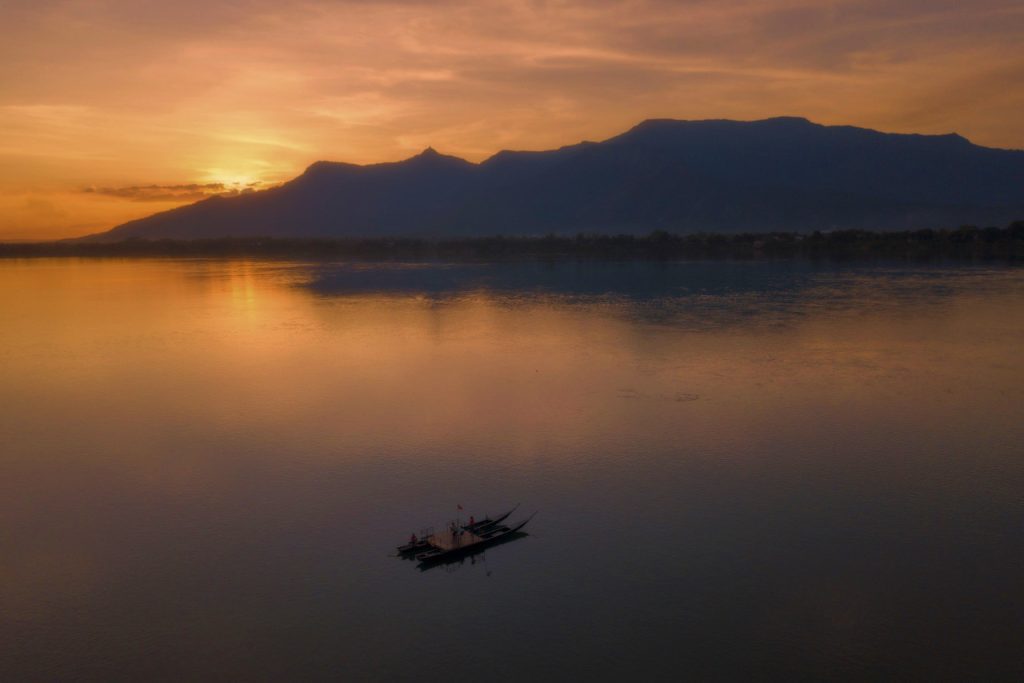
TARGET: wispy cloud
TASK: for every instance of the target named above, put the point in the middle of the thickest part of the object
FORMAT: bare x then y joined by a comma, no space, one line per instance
188,192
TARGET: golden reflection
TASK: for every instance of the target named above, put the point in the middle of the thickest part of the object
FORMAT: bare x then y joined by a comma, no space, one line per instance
251,349
242,289
242,346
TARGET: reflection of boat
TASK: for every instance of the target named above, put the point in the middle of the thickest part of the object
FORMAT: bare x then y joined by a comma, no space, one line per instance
422,544
451,546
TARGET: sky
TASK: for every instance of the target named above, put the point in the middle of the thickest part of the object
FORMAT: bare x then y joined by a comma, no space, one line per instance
115,109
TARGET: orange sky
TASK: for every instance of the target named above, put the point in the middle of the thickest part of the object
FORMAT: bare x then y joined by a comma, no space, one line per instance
114,109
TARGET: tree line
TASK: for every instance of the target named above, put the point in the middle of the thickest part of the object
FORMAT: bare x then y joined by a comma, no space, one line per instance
967,242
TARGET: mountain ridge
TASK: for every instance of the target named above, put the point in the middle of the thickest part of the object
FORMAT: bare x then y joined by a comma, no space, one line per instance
715,175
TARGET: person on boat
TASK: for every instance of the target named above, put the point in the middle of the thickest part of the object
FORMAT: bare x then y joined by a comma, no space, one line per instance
413,539
471,520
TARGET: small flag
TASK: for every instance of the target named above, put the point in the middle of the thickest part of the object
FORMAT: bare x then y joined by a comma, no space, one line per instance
458,505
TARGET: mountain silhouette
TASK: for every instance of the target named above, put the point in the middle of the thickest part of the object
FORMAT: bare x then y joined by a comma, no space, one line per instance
679,176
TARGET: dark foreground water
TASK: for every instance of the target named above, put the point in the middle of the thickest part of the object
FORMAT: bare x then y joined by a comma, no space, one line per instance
742,471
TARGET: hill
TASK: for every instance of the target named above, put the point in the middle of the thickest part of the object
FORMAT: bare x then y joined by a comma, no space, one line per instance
782,174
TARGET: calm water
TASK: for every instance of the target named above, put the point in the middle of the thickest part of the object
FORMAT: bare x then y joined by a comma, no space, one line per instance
742,471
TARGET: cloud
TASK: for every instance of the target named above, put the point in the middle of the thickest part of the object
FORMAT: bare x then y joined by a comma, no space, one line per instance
189,192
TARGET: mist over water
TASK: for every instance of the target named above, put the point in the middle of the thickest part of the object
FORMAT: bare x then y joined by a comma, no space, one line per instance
742,470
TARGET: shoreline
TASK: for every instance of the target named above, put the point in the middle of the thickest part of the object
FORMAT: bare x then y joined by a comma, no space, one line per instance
965,243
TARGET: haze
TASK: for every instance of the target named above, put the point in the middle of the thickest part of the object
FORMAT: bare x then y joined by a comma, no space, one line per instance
112,110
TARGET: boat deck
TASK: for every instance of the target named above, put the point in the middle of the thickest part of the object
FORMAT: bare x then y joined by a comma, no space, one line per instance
446,540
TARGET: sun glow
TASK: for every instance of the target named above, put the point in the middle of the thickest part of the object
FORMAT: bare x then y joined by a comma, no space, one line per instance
231,180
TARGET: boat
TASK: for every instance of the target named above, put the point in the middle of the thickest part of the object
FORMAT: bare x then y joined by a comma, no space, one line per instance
451,546
489,522
422,544
413,547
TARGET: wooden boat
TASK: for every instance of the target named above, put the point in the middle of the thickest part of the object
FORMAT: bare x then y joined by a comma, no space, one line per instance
449,546
409,548
489,522
422,543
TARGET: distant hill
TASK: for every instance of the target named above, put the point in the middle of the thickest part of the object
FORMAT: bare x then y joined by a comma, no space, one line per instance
680,176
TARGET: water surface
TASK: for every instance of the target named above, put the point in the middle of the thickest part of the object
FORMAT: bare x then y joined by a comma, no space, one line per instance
742,470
